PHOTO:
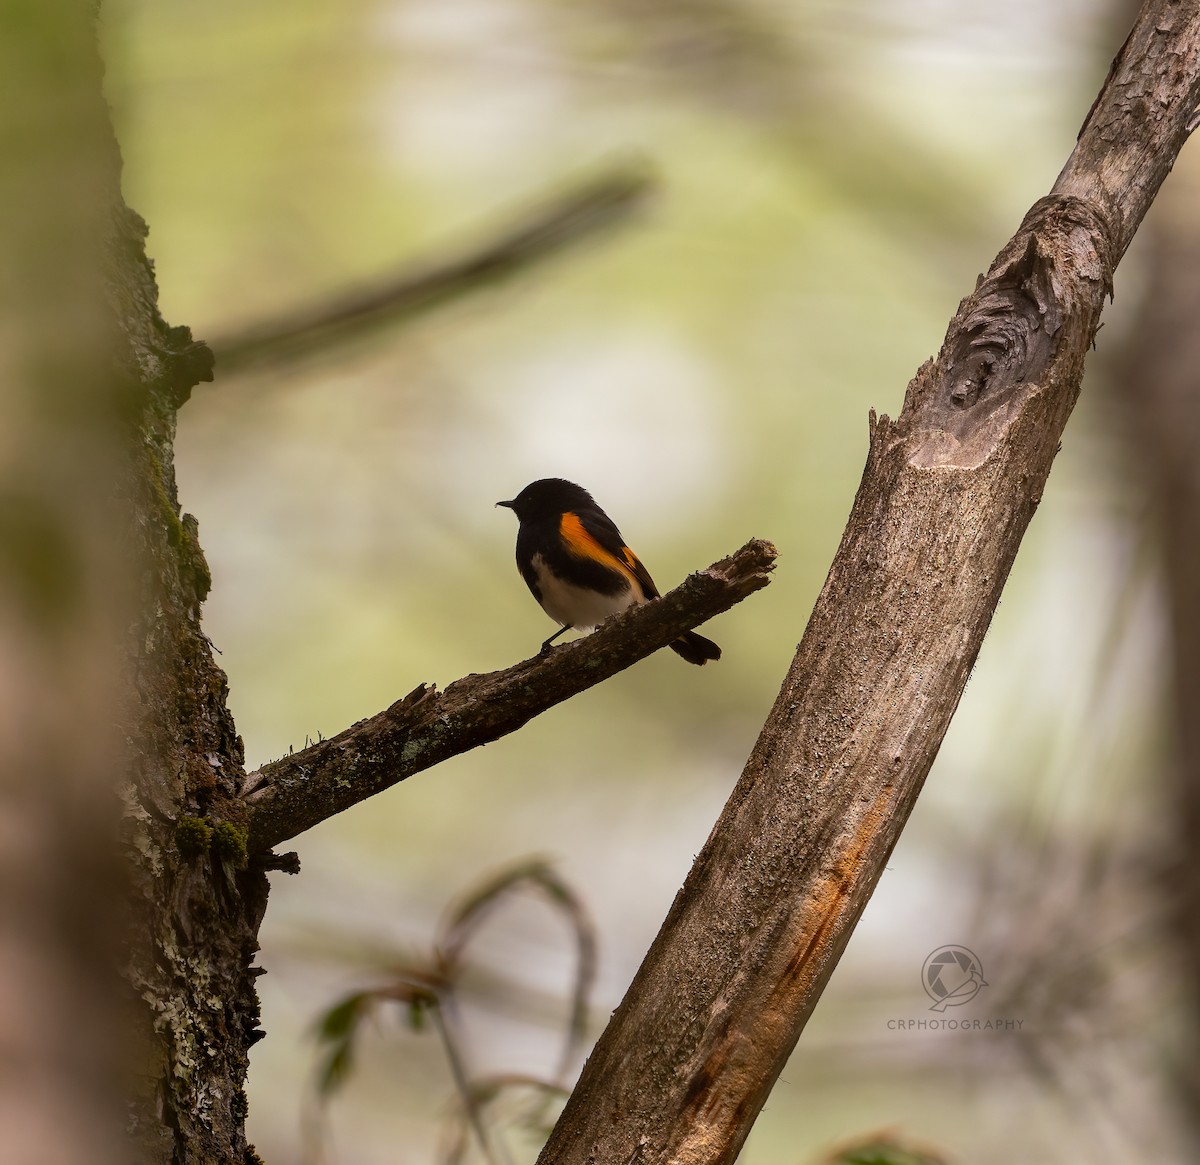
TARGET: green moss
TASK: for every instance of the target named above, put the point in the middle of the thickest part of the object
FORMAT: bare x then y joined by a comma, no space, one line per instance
182,530
167,508
229,844
252,1157
193,836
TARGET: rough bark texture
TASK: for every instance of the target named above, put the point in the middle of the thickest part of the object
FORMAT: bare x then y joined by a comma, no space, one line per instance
296,792
948,491
196,904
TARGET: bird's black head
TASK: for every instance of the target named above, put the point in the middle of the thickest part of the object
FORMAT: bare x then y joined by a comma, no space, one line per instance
548,498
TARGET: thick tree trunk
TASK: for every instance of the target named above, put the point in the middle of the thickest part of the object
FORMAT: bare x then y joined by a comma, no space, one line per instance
197,904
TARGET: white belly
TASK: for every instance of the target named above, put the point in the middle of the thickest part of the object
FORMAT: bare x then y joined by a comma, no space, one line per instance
572,606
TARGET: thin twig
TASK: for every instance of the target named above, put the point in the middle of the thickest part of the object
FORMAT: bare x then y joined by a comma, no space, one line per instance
492,1152
470,915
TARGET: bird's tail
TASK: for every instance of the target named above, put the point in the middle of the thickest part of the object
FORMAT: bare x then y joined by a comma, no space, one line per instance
695,648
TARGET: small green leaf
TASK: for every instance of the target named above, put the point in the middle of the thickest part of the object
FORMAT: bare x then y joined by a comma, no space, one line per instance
335,1069
339,1021
417,1007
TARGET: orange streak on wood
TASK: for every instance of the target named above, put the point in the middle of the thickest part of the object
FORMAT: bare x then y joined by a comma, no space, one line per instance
738,1071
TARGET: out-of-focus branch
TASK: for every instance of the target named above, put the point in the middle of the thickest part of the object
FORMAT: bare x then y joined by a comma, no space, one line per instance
71,1037
538,234
949,489
296,792
1158,383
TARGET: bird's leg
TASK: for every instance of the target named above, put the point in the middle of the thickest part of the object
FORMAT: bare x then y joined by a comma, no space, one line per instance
546,645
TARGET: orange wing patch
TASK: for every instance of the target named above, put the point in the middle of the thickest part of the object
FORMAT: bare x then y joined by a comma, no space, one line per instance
582,544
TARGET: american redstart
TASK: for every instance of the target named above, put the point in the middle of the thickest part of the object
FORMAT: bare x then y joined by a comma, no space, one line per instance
574,560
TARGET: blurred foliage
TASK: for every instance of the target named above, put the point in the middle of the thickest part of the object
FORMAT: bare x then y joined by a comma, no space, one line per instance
832,177
429,991
883,1149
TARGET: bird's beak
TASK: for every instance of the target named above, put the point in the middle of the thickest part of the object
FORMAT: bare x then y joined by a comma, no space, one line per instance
506,505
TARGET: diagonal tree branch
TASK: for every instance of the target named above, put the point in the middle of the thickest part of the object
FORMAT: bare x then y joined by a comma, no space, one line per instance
561,222
949,488
297,791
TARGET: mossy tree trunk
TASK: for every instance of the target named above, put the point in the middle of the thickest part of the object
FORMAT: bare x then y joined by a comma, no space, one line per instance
197,904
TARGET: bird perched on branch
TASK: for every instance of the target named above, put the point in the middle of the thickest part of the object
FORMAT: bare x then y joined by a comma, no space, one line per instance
574,560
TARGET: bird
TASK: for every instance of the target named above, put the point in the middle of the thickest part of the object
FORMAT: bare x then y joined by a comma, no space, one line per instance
575,561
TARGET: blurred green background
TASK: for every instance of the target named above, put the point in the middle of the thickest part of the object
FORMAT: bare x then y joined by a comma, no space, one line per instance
830,178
